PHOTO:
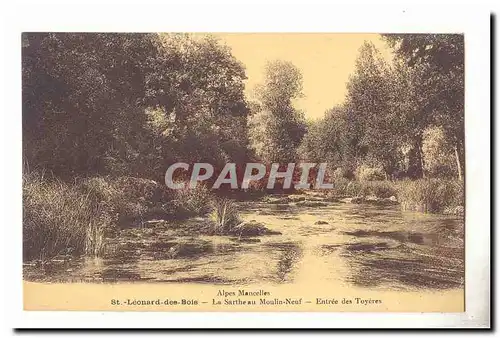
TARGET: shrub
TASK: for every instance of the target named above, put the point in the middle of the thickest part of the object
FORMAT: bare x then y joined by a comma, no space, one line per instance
370,173
126,199
353,188
342,172
345,187
224,215
438,157
194,201
341,186
430,195
382,189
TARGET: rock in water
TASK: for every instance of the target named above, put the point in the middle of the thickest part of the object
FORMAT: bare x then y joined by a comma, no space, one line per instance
174,251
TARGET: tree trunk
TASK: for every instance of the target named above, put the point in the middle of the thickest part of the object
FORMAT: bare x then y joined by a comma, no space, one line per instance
459,162
421,155
416,160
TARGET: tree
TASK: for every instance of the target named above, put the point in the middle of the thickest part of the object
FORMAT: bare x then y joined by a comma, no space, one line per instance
277,126
371,128
440,61
409,117
325,139
202,97
128,104
75,89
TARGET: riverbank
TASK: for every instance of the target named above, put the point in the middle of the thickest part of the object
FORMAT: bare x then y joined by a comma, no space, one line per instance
343,244
63,220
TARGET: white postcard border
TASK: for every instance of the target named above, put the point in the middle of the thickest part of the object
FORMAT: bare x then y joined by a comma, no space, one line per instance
289,16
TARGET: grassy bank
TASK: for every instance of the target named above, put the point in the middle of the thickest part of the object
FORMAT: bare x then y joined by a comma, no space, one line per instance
75,218
424,195
343,187
61,218
431,195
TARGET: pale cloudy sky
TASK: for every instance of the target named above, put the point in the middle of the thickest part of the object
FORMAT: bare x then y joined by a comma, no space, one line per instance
325,60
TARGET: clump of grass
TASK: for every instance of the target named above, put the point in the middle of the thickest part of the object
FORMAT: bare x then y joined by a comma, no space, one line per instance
224,215
430,195
57,219
94,240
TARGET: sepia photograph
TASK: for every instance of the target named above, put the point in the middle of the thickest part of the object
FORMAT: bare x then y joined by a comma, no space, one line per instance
236,160
191,167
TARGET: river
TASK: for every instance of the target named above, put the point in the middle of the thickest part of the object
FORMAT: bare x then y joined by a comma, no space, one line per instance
337,244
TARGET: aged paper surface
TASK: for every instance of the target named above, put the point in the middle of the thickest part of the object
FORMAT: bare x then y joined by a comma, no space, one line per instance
379,228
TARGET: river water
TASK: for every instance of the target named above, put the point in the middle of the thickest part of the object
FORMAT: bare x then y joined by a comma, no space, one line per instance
338,244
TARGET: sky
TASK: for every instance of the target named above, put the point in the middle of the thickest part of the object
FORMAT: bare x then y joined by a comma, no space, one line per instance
325,59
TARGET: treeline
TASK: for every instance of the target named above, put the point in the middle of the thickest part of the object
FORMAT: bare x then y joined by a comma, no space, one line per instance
130,104
399,119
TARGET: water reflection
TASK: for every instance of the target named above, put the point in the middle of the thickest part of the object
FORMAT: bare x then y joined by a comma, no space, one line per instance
403,236
289,255
404,268
409,251
361,245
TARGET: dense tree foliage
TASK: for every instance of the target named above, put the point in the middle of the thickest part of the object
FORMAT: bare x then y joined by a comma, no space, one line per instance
333,129
398,115
130,103
277,127
439,61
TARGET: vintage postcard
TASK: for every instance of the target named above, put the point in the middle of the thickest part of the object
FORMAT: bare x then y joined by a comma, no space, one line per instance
244,172
291,172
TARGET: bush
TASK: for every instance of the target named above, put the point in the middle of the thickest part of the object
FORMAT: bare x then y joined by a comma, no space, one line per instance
382,189
438,156
345,187
194,201
127,199
370,173
430,195
341,186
